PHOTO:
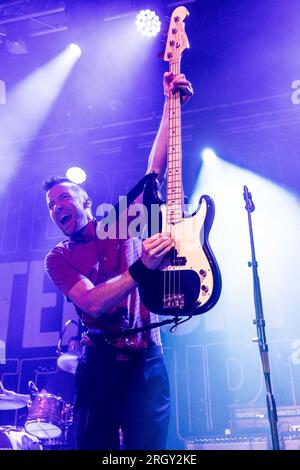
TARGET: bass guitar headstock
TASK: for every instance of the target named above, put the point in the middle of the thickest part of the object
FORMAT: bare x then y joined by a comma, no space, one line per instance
177,40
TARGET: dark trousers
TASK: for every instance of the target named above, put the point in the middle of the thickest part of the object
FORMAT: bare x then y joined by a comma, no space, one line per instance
129,394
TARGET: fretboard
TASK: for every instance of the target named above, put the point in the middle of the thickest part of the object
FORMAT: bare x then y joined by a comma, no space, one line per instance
174,170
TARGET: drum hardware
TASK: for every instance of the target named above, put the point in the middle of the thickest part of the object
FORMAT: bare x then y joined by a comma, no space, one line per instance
16,438
60,340
65,440
10,400
46,416
33,388
48,424
49,418
68,362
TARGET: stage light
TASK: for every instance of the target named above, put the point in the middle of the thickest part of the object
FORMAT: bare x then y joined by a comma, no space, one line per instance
16,46
148,23
208,155
229,238
74,50
28,104
76,174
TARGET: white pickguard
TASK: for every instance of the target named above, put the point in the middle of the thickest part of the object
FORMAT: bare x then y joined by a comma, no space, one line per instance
189,238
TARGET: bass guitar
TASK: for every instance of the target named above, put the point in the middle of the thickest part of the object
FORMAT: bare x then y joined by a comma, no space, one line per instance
189,282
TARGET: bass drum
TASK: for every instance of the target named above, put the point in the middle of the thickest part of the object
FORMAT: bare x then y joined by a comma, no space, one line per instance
16,438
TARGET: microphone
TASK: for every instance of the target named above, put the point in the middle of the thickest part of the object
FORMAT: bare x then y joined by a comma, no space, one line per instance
33,388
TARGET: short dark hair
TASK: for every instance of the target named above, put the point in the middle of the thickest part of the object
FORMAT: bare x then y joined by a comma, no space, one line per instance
54,180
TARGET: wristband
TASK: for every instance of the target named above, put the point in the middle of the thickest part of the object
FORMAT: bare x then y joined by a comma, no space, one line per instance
138,271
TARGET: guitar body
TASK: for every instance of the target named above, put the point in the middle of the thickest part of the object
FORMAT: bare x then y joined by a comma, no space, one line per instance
190,282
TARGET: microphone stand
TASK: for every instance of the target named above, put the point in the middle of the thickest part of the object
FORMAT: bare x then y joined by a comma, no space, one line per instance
260,327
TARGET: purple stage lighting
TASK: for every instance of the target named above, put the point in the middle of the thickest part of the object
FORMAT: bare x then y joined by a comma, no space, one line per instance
74,50
76,174
2,92
28,104
148,23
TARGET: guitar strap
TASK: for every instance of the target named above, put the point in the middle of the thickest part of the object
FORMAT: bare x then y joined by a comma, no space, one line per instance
110,338
115,213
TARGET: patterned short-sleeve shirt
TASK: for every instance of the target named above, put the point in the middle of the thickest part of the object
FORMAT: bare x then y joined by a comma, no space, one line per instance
100,260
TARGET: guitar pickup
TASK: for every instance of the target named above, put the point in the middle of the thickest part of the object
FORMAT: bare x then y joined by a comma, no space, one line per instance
178,261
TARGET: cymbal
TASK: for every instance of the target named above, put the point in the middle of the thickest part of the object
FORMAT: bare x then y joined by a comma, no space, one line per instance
68,362
12,401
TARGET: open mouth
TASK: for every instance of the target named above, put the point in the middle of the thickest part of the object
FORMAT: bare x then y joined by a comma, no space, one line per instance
65,219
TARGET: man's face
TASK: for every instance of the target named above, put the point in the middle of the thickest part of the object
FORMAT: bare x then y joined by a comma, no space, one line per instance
69,208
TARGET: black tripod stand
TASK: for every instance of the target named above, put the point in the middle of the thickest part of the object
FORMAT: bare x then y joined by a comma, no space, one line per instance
260,327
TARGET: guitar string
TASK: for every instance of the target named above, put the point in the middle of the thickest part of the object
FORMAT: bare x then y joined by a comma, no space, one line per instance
166,276
175,141
168,225
174,177
170,184
173,208
178,153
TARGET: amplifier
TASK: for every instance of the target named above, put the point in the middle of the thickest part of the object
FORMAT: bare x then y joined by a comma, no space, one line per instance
289,440
237,442
243,418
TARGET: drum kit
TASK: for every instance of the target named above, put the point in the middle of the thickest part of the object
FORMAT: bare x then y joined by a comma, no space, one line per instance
49,421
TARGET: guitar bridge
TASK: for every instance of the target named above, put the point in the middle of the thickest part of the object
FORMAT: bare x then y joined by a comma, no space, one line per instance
174,300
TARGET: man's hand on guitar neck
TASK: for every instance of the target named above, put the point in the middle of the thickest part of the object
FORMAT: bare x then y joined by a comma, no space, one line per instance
173,83
155,248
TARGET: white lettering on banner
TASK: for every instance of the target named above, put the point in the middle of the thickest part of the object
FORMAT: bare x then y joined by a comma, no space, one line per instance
242,377
36,301
7,273
235,373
